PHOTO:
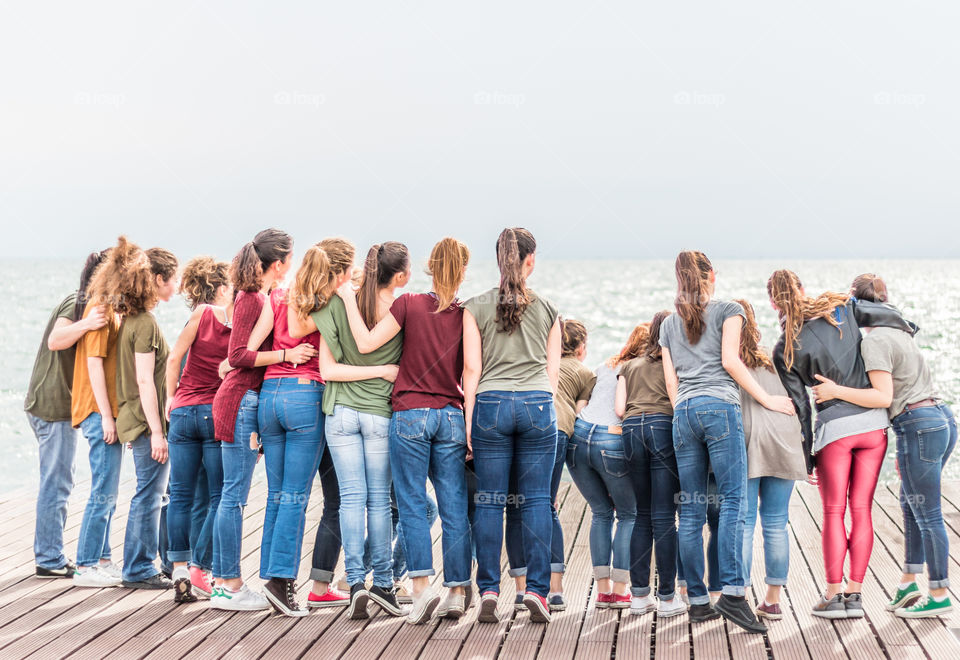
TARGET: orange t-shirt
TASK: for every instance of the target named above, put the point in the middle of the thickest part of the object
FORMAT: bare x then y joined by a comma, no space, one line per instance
100,343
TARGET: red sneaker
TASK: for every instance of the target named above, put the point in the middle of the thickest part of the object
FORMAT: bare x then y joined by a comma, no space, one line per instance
200,580
604,600
538,606
333,598
619,601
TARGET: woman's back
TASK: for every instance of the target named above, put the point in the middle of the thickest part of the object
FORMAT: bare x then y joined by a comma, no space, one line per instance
600,409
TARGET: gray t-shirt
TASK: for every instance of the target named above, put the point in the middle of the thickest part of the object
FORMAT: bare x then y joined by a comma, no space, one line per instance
897,353
774,441
600,409
699,366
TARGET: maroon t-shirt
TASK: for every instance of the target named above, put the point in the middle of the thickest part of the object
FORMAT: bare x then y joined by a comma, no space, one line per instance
432,361
201,376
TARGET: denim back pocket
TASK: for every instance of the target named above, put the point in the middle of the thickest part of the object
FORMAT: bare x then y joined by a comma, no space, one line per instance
301,415
571,454
541,414
933,443
715,424
614,462
410,424
486,413
458,429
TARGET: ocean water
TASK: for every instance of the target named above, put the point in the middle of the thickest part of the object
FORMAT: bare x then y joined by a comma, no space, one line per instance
611,297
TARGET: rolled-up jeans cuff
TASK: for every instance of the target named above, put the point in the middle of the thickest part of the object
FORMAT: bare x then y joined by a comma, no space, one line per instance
517,572
321,575
700,600
913,568
939,584
665,596
601,572
558,568
639,592
427,572
681,584
620,575
178,556
451,585
732,590
776,582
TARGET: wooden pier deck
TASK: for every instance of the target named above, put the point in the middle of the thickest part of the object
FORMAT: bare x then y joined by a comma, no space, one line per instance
51,619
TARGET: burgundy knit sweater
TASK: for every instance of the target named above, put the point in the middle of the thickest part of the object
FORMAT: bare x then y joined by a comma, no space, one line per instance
245,376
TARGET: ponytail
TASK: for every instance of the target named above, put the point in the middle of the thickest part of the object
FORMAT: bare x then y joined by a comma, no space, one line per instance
653,351
869,287
383,261
693,291
448,259
573,335
513,246
786,294
253,260
316,279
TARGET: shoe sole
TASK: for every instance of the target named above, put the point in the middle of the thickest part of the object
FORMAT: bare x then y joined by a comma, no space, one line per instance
925,615
144,585
558,608
327,603
537,612
770,617
906,601
231,608
280,607
715,614
386,606
619,606
854,614
746,626
427,612
603,606
666,614
830,614
200,593
93,585
488,611
452,614
183,592
358,606
640,611
54,577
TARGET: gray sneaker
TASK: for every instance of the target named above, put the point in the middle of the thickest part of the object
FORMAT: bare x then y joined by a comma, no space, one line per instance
833,608
853,603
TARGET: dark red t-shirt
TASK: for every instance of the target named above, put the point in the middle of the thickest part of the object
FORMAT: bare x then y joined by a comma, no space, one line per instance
201,376
431,365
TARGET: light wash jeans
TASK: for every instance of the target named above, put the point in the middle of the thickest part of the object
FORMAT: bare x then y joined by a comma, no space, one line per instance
94,542
56,447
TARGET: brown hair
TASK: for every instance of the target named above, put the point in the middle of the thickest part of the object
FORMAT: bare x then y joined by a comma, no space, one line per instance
162,262
574,335
254,258
784,289
384,260
653,351
513,246
125,281
869,287
202,278
94,259
448,259
636,342
316,279
693,291
750,352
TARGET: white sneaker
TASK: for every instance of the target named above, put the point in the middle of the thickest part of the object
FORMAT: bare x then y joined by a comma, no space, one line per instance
91,576
642,604
243,600
423,606
111,569
671,607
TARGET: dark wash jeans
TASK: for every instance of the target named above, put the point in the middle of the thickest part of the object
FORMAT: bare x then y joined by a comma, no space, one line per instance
514,431
648,448
194,456
708,431
429,442
925,439
326,544
291,431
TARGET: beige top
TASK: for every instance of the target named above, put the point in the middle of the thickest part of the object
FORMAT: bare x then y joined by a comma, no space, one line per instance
575,384
774,441
646,388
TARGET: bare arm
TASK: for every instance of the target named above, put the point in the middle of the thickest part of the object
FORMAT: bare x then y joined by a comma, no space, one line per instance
66,333
98,383
367,340
620,399
184,342
878,396
298,328
145,364
332,370
730,354
554,348
670,376
472,367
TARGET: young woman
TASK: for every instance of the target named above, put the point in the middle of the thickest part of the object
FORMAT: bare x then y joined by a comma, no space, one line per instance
511,355
427,431
774,462
259,267
357,419
141,394
195,460
598,466
48,409
926,436
702,368
643,403
822,336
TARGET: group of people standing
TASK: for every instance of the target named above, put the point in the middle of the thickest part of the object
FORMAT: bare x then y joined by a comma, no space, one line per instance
338,376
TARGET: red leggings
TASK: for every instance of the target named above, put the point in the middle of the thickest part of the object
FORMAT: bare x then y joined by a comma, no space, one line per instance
848,469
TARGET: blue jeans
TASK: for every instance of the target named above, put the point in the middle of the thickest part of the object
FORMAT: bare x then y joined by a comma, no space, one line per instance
359,443
774,508
202,545
599,468
514,538
291,430
427,442
239,460
925,439
194,455
709,432
141,540
326,544
94,542
713,525
514,431
56,447
648,448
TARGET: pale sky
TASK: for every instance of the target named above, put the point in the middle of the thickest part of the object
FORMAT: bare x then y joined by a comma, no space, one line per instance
611,128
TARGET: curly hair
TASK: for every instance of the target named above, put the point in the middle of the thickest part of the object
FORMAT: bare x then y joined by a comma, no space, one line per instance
750,351
201,279
316,279
786,294
125,281
653,351
636,342
574,335
162,262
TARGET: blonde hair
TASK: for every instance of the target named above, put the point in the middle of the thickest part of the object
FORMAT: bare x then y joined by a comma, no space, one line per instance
316,279
750,351
785,291
448,259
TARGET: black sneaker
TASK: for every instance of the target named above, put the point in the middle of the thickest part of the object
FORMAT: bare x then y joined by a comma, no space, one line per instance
158,581
737,611
282,594
386,599
65,571
358,601
705,612
183,591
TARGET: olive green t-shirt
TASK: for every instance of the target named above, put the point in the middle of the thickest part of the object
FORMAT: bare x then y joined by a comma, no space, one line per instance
575,384
139,333
48,396
897,353
517,361
369,396
646,387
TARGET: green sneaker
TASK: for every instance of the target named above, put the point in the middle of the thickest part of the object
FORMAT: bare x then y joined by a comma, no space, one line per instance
926,608
904,597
